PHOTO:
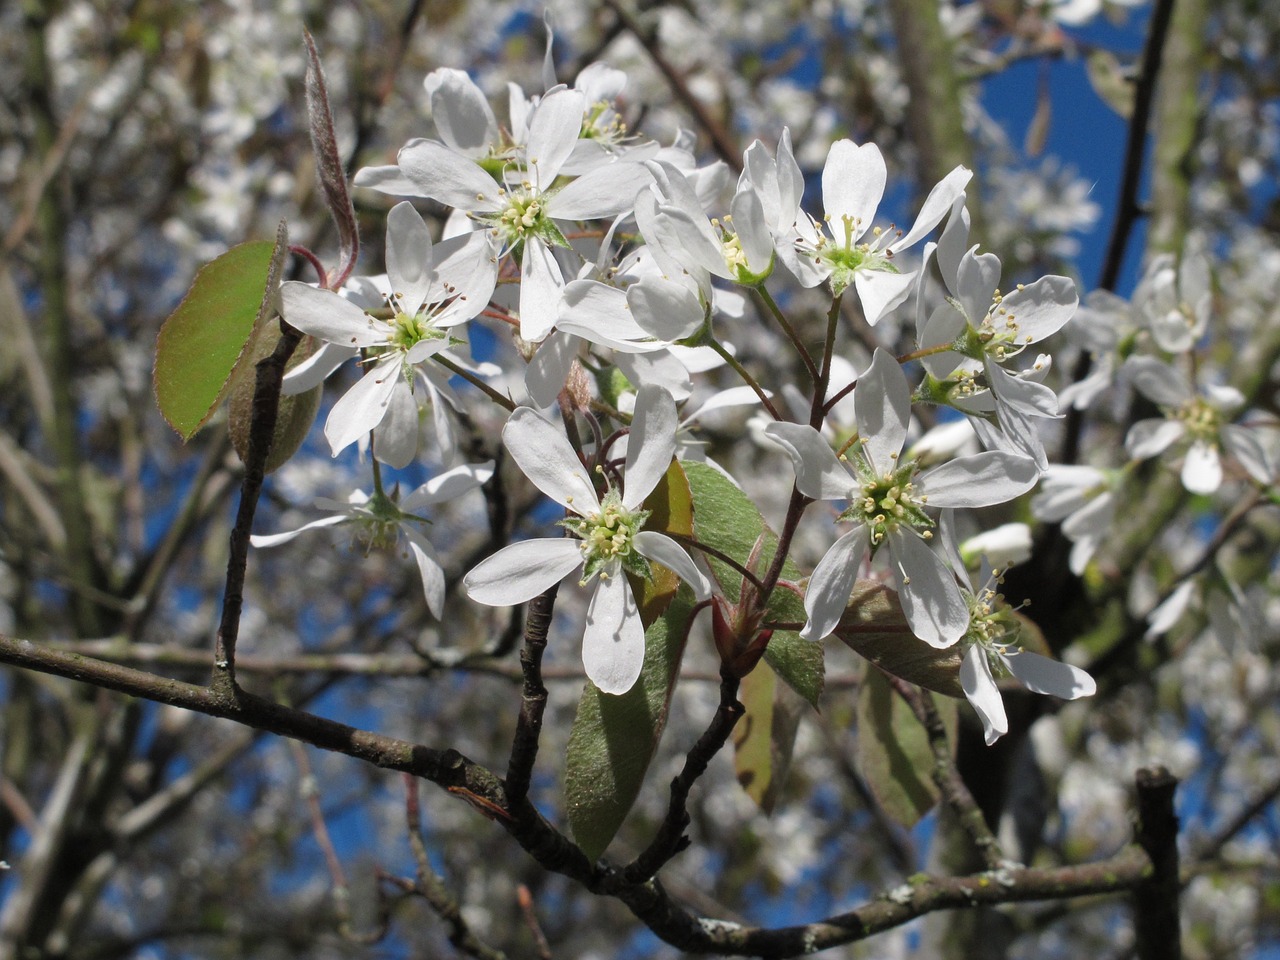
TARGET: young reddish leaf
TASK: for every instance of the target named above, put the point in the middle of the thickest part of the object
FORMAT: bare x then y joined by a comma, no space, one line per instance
329,169
202,342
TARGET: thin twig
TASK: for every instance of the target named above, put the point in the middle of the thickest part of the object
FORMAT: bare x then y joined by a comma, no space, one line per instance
533,702
262,426
670,838
721,141
947,776
432,888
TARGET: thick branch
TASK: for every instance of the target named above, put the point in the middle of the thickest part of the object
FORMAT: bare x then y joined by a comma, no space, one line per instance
1155,899
647,900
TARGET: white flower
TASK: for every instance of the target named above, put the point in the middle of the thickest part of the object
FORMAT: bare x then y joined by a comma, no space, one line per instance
993,647
380,521
523,215
993,652
886,506
424,305
853,182
608,541
984,329
1202,419
739,248
1081,498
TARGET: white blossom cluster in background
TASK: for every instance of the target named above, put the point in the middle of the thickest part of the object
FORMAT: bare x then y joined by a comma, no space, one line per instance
615,279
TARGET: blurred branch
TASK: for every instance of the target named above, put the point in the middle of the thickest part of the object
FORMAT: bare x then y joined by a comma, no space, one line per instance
935,113
1176,127
721,140
432,887
647,900
1155,899
947,776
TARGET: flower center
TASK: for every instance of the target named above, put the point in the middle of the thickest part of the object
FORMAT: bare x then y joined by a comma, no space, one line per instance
525,214
887,502
993,626
607,537
845,260
1202,419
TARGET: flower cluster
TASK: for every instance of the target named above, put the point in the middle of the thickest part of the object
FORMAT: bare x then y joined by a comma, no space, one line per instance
619,266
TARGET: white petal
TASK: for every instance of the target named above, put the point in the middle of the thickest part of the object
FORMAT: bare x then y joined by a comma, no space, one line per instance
660,368
598,313
395,439
545,455
327,316
980,480
449,177
613,643
753,233
362,407
690,234
316,368
603,192
662,549
828,592
1202,468
666,310
1158,381
976,280
388,179
1150,438
275,539
650,445
461,111
448,486
853,182
541,286
722,399
819,474
553,130
944,193
928,592
980,688
521,571
429,569
1053,677
545,376
880,291
1042,308
1243,444
408,256
882,405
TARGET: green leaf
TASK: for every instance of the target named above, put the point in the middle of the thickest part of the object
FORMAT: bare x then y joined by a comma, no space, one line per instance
893,753
201,343
614,737
725,518
874,626
765,737
753,736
